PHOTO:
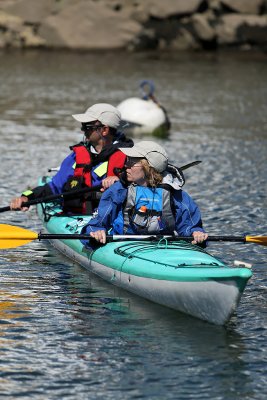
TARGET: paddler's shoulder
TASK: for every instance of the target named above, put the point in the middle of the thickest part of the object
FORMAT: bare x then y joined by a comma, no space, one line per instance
117,192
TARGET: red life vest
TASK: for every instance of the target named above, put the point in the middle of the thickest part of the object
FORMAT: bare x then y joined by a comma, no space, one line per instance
84,159
82,173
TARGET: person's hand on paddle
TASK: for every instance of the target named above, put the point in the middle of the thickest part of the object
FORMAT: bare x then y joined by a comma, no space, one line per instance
199,237
16,203
99,236
107,182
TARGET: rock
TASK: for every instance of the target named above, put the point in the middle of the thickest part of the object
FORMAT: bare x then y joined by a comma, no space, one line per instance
215,6
16,34
133,25
167,8
78,26
184,41
254,31
236,29
147,39
6,3
10,22
30,39
31,11
202,28
243,6
10,27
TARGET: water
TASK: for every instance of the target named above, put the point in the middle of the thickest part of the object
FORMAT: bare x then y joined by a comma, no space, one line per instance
65,334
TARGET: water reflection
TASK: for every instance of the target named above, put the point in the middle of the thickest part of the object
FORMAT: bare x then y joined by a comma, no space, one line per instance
110,337
139,330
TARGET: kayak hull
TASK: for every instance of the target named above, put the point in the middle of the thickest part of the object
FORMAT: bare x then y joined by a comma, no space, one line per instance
210,300
177,275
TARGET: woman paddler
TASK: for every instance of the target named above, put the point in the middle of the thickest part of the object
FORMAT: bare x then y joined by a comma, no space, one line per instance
149,201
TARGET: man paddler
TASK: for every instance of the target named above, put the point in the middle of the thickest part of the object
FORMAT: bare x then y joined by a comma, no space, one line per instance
92,162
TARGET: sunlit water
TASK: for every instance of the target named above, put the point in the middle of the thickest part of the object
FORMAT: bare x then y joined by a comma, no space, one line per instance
67,335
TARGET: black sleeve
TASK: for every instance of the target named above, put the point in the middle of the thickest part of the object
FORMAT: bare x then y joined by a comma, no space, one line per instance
38,192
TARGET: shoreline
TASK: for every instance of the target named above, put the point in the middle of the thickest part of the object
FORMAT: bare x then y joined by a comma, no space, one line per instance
153,25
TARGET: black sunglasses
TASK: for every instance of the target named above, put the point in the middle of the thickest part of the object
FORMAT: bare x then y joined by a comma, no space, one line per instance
131,161
88,128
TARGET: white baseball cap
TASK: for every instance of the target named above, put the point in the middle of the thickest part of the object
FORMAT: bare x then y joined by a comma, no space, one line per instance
103,112
151,151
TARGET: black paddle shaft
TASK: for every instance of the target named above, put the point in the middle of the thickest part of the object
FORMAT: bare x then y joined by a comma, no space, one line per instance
59,196
111,238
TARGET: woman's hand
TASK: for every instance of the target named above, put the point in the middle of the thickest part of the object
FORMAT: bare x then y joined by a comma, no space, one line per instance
16,203
199,237
99,236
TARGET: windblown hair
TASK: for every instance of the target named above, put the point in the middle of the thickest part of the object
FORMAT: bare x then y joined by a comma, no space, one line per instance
153,177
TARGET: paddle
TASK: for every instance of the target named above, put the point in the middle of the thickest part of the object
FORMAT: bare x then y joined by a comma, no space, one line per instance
192,164
14,236
47,199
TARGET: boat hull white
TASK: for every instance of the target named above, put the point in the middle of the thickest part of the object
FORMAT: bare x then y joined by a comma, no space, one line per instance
213,301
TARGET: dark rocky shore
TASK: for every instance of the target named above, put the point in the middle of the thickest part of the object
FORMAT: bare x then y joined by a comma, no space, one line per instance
134,24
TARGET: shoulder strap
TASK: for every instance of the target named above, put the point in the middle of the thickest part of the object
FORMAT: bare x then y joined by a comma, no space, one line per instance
83,163
128,207
168,210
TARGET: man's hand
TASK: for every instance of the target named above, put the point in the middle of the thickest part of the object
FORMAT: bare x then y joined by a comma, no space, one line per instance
107,182
15,203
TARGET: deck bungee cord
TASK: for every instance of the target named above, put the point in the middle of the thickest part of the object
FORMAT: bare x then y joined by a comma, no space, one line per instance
134,250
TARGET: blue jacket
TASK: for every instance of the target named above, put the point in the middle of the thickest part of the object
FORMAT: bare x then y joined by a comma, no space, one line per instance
187,214
67,168
65,172
56,185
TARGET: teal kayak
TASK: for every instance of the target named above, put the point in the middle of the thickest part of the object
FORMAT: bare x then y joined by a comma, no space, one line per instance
175,274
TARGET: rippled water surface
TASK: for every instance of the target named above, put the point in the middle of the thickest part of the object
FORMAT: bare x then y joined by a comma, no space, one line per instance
65,334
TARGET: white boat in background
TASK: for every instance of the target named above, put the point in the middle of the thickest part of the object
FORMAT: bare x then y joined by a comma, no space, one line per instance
144,115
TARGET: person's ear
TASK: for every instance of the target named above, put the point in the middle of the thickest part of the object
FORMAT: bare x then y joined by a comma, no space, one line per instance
105,130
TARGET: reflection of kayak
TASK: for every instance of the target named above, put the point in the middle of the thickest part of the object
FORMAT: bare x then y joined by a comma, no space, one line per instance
175,274
144,115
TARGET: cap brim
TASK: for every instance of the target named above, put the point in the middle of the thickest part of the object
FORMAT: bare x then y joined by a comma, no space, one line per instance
86,117
131,152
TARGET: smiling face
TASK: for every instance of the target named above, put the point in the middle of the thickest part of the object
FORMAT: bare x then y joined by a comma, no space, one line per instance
135,171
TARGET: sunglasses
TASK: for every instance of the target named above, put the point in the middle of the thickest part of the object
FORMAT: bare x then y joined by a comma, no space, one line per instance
88,128
131,161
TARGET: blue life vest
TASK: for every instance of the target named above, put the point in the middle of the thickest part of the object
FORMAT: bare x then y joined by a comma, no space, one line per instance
146,211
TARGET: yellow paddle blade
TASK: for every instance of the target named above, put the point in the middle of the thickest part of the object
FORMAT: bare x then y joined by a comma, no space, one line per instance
257,239
14,236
